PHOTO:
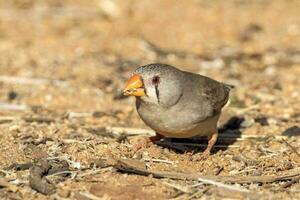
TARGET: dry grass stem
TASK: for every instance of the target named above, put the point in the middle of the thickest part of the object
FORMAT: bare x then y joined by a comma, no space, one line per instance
292,147
91,196
12,107
222,185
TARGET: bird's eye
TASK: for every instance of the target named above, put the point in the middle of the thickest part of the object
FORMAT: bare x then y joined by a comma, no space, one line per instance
155,80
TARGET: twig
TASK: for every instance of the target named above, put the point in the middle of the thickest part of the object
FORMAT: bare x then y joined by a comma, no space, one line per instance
95,114
59,173
79,114
90,196
19,182
130,131
71,163
6,184
240,111
7,119
222,185
13,107
159,161
288,184
72,141
19,167
4,171
57,197
92,172
285,190
127,167
196,195
292,147
39,119
181,188
257,137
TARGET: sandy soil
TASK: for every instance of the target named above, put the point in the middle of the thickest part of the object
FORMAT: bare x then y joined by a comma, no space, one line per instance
64,63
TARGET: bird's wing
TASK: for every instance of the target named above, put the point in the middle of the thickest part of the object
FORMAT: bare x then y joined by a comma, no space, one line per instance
208,97
216,93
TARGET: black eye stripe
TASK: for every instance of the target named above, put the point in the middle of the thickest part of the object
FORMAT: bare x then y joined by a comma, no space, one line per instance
157,93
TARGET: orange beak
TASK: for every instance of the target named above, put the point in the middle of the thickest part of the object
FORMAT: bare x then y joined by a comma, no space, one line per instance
134,87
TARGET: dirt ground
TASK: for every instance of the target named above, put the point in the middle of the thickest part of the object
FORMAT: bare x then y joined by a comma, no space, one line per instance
63,65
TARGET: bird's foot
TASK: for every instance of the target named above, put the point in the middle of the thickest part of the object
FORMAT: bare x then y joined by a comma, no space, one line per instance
141,143
145,142
206,153
202,157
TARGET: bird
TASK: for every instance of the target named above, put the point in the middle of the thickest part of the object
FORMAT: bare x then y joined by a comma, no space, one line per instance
176,103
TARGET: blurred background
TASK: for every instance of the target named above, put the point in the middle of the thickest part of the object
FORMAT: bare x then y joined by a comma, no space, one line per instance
94,45
65,62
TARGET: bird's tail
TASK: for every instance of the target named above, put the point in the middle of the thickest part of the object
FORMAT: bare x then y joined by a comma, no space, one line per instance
228,86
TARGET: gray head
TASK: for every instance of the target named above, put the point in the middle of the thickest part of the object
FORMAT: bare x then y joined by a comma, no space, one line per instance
156,83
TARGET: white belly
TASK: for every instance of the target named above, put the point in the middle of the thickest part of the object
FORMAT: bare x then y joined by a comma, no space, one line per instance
177,123
204,128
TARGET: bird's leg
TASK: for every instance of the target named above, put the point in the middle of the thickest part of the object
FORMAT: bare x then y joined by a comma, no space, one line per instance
211,141
145,142
156,137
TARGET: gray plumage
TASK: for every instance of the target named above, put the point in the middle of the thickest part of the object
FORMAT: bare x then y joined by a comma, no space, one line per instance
181,104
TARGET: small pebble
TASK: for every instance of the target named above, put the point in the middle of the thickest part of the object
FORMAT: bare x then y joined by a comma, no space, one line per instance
14,128
12,95
272,121
262,121
270,70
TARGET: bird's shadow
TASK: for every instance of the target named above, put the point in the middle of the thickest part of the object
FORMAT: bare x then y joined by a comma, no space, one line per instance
229,132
